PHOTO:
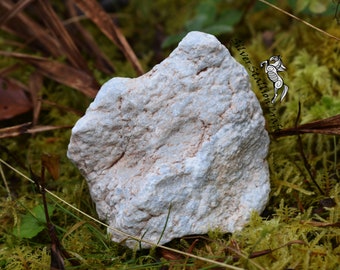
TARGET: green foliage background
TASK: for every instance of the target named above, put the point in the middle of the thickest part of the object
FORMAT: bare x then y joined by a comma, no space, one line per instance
297,226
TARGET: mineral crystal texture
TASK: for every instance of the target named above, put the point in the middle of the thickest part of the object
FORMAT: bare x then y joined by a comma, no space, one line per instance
178,151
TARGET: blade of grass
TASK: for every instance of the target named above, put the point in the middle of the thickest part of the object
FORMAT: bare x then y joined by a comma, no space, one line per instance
97,14
18,7
35,85
86,41
37,129
57,28
166,223
300,20
28,30
120,232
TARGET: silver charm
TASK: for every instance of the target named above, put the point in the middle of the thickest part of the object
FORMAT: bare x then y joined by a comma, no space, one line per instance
272,67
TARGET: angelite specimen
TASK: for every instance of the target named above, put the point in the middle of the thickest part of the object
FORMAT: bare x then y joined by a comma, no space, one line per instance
182,147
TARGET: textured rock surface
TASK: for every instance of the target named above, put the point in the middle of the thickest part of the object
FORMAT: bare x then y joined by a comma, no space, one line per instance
189,133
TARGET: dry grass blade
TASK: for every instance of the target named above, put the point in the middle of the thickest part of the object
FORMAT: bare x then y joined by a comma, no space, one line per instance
61,73
97,14
55,40
57,28
268,251
328,126
69,76
20,5
238,255
87,43
26,129
38,129
35,85
14,130
30,31
226,266
300,20
321,224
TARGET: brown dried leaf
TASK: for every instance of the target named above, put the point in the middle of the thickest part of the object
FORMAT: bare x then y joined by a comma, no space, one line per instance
52,164
170,256
97,14
61,73
13,99
69,76
18,7
55,40
328,126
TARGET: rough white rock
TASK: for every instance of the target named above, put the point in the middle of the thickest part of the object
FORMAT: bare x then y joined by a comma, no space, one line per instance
187,136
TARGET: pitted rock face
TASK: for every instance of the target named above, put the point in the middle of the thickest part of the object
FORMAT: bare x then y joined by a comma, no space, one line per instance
182,147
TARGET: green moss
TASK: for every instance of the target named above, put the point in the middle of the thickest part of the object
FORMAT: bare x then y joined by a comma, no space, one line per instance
299,228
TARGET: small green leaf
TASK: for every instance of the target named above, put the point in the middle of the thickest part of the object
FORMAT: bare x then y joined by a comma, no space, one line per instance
196,23
209,10
28,228
33,222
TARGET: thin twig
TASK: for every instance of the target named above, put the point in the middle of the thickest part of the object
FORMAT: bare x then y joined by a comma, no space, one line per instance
304,158
123,233
300,20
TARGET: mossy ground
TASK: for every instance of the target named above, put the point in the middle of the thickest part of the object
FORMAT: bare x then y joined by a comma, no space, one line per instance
300,228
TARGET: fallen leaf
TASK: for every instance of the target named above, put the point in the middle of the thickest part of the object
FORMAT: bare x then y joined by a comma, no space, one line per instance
52,164
13,99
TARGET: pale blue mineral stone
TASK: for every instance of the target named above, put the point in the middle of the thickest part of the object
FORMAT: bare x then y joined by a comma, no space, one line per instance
189,134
